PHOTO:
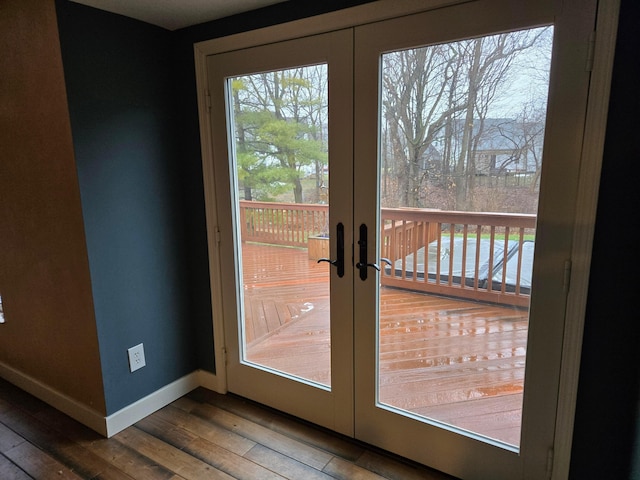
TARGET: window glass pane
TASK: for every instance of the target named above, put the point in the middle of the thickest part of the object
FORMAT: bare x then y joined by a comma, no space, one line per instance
281,189
461,138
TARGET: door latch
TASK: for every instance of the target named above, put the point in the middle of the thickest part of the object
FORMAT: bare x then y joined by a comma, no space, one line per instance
363,264
339,261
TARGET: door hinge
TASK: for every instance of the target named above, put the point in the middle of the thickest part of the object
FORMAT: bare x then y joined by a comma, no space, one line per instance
208,98
566,276
218,237
224,356
591,51
549,470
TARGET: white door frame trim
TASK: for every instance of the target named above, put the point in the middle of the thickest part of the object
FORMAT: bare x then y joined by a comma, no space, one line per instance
593,147
587,201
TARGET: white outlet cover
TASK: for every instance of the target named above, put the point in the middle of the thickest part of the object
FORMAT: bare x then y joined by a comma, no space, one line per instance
136,357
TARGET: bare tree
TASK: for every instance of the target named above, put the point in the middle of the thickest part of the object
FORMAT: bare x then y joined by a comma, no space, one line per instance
436,101
491,62
417,99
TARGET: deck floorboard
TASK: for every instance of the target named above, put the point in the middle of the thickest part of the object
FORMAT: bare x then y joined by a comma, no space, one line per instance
458,361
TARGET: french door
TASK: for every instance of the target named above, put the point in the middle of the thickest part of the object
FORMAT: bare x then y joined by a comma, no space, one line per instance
395,204
280,306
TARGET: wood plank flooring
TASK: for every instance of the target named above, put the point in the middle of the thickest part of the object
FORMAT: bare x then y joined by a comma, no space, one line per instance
203,435
460,362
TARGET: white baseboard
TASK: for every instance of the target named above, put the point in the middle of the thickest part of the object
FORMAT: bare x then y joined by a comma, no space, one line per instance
159,399
144,407
76,410
118,421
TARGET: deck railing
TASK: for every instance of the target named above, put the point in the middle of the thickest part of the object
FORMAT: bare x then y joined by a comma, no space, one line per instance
481,256
282,223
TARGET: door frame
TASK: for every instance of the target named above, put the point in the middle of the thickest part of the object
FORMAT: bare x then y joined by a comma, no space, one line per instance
602,46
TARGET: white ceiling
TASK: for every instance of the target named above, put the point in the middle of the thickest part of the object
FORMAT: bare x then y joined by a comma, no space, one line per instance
174,14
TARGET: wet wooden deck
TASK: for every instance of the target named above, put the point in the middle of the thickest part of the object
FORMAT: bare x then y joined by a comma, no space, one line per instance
457,361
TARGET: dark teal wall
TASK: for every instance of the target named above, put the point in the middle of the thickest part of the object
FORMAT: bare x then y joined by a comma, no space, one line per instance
132,103
120,86
607,410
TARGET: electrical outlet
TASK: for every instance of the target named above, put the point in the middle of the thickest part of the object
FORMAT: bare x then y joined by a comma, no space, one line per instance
136,357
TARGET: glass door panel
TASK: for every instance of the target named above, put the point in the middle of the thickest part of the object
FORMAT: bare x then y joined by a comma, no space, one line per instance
276,140
461,130
281,185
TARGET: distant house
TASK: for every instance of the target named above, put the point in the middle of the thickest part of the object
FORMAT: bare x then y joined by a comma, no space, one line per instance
506,146
498,146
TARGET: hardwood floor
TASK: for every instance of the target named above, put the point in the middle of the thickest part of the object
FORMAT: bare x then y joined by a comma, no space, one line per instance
203,435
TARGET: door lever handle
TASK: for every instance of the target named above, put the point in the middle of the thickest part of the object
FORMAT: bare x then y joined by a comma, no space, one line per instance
328,260
363,264
374,265
339,261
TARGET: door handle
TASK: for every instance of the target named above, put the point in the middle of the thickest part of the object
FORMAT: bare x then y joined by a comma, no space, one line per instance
339,261
363,264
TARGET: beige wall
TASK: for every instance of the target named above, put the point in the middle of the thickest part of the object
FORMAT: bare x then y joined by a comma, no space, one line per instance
50,330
